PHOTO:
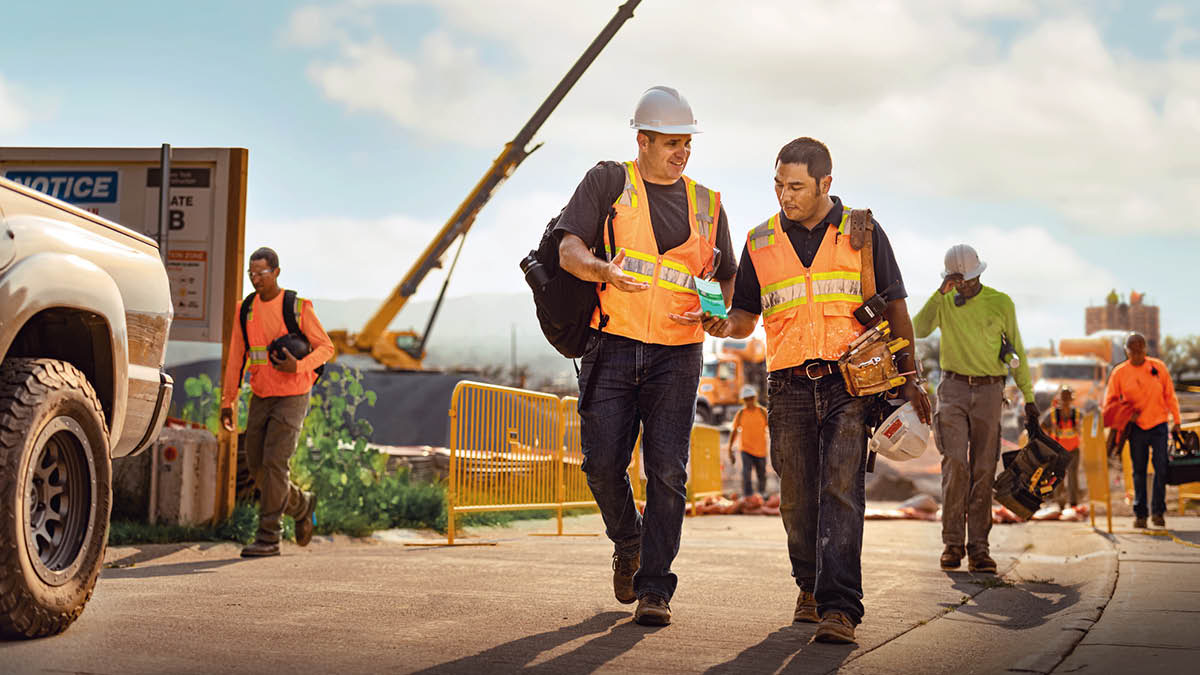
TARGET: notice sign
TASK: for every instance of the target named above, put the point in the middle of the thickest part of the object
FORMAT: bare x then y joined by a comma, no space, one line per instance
202,228
188,272
92,191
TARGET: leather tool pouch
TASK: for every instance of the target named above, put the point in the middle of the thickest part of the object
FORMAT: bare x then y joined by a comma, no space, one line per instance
868,367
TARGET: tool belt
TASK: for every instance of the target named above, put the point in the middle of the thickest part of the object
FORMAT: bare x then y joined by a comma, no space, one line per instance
869,364
975,380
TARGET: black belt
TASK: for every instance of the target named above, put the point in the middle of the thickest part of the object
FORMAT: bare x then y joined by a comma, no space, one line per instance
814,370
973,380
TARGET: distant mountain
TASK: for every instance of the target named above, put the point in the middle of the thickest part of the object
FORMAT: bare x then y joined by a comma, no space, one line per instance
470,332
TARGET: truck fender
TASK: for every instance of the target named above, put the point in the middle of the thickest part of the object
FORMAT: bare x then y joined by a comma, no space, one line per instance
50,280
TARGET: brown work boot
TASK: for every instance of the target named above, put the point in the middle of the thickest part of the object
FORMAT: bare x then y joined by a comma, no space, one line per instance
652,610
836,628
304,524
982,563
1139,523
260,549
806,609
951,557
624,568
1158,520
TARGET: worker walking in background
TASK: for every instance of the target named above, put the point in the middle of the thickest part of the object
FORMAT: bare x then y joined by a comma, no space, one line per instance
980,344
1143,383
280,384
803,271
750,426
641,368
1062,423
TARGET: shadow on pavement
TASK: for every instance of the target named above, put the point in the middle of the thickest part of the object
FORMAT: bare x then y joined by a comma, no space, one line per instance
787,648
169,570
518,653
598,651
1013,605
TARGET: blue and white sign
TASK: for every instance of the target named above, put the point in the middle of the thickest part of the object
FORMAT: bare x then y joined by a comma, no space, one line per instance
91,190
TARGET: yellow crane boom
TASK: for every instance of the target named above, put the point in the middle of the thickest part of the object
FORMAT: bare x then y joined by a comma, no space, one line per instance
405,350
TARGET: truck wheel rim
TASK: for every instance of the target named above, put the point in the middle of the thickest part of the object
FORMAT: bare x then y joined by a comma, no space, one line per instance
62,503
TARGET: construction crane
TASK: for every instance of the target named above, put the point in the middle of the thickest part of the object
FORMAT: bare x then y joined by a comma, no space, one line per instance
405,350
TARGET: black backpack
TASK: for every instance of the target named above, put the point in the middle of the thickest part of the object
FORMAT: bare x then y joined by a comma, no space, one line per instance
289,321
565,303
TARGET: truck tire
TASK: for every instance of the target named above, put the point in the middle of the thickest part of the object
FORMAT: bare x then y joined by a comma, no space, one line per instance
55,495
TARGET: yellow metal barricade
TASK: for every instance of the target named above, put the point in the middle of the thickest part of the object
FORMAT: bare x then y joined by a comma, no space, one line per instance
574,491
1094,456
705,479
505,451
1189,491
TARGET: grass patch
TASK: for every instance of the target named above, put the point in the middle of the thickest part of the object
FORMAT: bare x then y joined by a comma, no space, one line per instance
241,528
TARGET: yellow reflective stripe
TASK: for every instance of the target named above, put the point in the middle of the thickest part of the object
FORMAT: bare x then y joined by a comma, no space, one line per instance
679,267
784,306
784,295
630,184
837,297
839,287
638,267
845,219
673,278
701,202
258,356
821,276
638,255
780,284
300,313
763,235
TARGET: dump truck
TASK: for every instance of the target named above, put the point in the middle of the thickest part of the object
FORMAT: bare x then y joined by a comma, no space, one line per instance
85,310
734,364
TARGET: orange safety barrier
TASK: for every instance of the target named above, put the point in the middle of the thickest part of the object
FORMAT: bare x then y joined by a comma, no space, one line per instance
704,478
1095,466
505,451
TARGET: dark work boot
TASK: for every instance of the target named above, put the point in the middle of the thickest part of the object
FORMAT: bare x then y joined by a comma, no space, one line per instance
1158,520
951,557
836,628
652,610
982,563
260,549
806,609
304,524
624,568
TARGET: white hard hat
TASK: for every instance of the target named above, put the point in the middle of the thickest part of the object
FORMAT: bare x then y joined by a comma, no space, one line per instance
748,391
902,436
962,259
664,110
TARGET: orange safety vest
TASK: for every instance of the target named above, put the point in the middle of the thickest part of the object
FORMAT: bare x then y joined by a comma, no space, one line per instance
642,316
1066,430
808,312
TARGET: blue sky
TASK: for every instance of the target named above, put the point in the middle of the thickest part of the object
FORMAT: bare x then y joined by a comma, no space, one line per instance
1060,138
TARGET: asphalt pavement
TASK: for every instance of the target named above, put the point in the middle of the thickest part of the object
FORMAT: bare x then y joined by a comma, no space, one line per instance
544,604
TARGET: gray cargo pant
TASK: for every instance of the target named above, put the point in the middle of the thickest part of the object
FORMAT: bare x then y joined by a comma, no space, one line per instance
966,426
272,430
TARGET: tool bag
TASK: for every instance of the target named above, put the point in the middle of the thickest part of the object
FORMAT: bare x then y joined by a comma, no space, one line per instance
1031,473
869,366
564,302
1183,459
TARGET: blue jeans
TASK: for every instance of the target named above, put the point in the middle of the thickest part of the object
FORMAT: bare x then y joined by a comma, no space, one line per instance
819,448
1149,444
751,465
651,387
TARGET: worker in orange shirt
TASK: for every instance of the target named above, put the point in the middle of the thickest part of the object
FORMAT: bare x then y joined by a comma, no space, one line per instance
750,424
1062,422
281,384
1144,383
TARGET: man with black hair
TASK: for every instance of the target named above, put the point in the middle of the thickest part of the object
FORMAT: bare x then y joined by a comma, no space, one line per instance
801,272
642,364
280,384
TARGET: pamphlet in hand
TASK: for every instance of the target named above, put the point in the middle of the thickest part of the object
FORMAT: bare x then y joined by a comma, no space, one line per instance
712,300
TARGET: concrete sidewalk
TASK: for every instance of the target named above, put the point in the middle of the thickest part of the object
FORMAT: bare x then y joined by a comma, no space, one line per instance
545,604
1151,621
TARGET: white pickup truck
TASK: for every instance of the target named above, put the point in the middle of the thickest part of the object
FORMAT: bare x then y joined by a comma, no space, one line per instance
85,308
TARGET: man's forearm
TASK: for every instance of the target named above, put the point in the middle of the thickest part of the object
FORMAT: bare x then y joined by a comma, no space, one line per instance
727,290
741,323
575,257
926,319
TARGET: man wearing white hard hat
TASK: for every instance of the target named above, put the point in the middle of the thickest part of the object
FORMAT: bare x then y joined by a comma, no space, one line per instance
750,427
980,344
644,232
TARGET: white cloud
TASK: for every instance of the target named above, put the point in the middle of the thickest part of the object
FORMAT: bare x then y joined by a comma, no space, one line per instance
14,113
917,90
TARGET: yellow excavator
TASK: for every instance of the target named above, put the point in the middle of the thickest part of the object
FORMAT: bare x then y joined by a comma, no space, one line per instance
405,350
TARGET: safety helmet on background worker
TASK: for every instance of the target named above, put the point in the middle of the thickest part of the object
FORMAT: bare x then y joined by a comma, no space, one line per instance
664,110
902,436
962,259
748,392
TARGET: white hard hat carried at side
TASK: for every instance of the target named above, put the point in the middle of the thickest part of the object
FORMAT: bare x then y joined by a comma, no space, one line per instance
748,391
962,259
664,110
902,436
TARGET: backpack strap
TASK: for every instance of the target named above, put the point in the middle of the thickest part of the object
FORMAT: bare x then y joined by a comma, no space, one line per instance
289,312
861,225
243,317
